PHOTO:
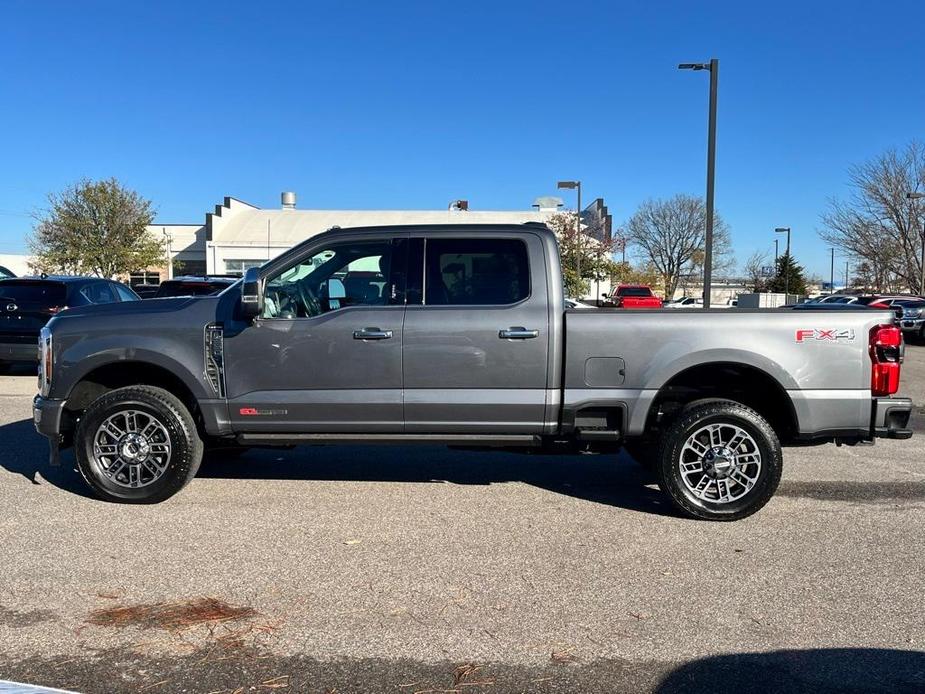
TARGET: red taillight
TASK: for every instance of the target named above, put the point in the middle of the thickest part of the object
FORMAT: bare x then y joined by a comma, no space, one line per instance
886,355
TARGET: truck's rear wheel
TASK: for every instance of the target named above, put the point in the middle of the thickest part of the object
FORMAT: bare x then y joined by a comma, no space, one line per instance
137,445
719,460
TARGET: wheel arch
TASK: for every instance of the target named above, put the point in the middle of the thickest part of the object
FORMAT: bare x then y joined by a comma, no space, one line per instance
103,378
731,380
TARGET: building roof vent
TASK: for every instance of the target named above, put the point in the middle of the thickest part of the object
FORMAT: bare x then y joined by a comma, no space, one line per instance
459,206
548,203
288,200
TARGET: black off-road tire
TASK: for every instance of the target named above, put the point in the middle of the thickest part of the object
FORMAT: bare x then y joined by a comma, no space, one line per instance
186,445
699,414
5,367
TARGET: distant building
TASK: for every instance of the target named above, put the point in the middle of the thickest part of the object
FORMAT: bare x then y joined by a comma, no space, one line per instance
238,235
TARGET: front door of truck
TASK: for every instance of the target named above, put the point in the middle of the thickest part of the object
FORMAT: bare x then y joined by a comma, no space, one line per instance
326,354
476,346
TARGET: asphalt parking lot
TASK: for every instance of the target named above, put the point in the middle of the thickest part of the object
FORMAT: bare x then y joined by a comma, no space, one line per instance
350,569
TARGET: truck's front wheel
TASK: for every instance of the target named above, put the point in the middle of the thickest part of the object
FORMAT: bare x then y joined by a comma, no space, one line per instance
137,445
719,460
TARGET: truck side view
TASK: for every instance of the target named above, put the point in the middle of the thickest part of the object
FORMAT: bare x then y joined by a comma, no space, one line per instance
458,335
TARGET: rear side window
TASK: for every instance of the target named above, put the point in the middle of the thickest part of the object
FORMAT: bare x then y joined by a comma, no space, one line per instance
124,293
476,272
32,292
98,293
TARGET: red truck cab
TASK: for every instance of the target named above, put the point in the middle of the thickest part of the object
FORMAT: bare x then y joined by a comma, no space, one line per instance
634,296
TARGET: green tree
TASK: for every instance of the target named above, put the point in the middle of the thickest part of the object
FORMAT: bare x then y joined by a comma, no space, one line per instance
596,255
787,267
95,228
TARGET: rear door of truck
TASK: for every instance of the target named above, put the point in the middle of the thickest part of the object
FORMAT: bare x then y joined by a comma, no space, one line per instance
476,345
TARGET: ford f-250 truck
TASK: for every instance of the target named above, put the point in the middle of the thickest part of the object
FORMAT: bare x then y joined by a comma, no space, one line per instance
458,335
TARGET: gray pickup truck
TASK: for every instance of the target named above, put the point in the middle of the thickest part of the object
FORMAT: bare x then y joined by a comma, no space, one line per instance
458,335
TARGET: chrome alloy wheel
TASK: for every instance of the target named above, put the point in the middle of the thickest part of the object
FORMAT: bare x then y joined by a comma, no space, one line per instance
132,448
720,463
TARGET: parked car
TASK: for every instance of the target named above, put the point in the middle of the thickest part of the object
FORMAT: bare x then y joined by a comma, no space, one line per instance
6,272
685,302
26,304
575,303
468,344
887,300
204,285
634,296
912,319
146,291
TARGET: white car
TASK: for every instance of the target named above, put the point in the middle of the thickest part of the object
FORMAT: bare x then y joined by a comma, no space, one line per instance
575,303
686,302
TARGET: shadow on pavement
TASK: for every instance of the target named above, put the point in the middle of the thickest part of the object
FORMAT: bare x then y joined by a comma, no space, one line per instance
814,670
605,479
24,452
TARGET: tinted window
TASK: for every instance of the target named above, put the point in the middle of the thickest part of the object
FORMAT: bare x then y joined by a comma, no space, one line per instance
343,274
35,292
180,288
640,291
124,293
98,293
484,272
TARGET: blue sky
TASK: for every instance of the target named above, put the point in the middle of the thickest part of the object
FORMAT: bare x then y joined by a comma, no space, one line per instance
411,105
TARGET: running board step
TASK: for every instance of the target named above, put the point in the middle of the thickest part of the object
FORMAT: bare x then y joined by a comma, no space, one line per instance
492,440
599,435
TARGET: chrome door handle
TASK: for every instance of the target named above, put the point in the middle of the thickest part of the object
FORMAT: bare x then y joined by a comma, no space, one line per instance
518,333
372,334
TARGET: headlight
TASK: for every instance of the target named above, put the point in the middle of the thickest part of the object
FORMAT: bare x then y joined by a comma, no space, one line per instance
46,361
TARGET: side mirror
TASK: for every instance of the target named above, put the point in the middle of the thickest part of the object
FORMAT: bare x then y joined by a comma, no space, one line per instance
251,296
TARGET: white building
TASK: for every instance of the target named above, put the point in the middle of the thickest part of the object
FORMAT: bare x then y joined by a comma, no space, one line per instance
238,235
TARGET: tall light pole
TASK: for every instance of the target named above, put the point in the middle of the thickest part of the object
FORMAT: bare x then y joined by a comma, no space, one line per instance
167,239
832,277
776,252
781,230
713,67
576,185
919,196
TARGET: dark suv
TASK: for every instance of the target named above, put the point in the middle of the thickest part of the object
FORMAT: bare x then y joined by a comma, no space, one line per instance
27,303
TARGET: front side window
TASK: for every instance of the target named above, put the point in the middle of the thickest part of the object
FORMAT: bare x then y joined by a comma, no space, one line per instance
470,272
339,276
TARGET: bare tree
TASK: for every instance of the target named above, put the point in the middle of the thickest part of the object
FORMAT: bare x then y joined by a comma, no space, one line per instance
754,271
671,236
877,225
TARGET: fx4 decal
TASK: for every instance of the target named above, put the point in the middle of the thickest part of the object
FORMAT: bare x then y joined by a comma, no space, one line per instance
821,335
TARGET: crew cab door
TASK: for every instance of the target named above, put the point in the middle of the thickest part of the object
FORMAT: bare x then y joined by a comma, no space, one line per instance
325,355
476,344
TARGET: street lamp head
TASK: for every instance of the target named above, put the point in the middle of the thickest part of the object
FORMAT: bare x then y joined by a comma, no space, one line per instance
568,184
915,196
694,66
782,230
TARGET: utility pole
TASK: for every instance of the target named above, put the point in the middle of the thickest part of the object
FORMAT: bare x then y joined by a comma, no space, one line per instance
713,67
832,278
